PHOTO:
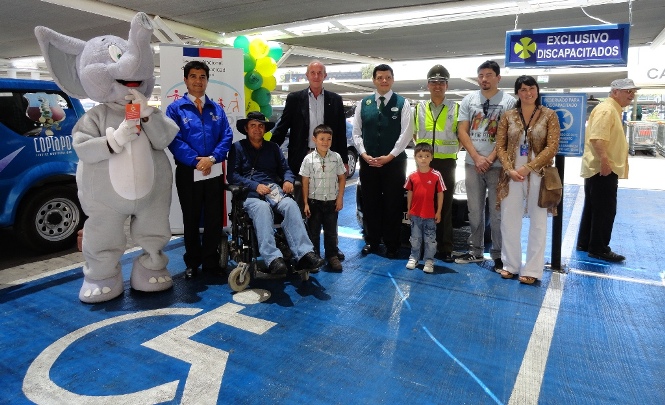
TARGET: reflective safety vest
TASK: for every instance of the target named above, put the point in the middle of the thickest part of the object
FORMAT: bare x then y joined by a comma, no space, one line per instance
442,130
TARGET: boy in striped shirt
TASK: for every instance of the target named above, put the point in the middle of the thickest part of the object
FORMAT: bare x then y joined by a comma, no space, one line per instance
323,180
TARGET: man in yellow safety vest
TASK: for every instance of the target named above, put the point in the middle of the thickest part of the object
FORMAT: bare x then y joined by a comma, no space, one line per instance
436,124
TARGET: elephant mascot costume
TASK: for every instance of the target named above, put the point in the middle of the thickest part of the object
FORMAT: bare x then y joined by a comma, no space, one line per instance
123,171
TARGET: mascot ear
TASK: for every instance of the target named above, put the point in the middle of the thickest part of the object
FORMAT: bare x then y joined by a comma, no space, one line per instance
61,54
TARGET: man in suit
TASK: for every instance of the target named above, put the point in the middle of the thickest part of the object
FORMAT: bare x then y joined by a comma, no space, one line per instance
305,110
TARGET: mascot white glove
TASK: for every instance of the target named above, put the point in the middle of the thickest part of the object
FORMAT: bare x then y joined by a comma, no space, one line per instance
127,131
137,97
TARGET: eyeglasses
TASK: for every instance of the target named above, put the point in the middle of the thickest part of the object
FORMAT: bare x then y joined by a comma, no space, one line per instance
632,92
486,107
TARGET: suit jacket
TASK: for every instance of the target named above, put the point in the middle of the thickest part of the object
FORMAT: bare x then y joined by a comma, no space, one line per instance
296,118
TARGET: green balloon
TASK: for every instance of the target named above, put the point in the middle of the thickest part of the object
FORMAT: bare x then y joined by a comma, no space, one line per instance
261,96
253,80
266,110
241,42
275,51
249,62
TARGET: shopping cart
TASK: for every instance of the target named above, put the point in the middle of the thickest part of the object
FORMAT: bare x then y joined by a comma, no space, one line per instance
660,138
642,136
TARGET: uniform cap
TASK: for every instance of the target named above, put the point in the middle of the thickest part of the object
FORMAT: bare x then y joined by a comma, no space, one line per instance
438,72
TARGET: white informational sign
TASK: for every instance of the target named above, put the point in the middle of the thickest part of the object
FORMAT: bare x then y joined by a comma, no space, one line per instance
225,86
646,67
571,110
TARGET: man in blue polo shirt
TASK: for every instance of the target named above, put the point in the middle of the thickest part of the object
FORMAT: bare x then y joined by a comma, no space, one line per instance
202,143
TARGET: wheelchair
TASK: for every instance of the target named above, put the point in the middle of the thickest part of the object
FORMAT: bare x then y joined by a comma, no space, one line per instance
242,245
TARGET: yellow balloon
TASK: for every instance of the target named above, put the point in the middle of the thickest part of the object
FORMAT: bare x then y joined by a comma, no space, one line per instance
258,48
252,106
248,93
269,82
266,66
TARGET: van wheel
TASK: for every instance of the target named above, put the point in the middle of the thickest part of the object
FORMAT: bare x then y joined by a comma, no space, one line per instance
353,160
49,219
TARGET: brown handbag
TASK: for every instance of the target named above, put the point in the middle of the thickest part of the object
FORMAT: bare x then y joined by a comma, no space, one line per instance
551,189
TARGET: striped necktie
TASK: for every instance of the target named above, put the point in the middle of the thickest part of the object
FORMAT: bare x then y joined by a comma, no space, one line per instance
199,105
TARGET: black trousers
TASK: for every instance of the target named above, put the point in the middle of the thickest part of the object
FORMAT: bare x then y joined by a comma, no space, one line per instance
444,229
383,202
200,198
600,208
323,213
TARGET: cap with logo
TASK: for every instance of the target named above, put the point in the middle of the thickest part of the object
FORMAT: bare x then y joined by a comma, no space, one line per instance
623,84
438,73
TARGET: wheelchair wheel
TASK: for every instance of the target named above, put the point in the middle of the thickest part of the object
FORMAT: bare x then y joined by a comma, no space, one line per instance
223,251
239,279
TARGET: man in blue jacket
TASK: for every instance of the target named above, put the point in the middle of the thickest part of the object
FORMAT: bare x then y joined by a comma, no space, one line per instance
201,144
260,166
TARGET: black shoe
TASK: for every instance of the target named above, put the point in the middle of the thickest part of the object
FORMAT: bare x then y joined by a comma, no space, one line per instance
392,253
310,261
278,266
581,248
367,249
498,265
608,256
447,257
190,272
340,255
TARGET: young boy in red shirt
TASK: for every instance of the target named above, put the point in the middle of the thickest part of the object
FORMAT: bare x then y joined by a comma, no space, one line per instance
422,186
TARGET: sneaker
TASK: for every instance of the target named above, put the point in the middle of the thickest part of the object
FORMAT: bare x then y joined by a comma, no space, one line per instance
498,265
429,266
412,263
469,258
335,263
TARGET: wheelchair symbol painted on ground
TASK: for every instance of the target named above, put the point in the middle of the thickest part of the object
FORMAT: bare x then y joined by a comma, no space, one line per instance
565,119
204,380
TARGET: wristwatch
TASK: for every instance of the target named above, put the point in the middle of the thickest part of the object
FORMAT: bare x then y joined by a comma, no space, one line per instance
212,159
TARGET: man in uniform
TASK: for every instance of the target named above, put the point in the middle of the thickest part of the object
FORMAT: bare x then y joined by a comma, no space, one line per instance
436,124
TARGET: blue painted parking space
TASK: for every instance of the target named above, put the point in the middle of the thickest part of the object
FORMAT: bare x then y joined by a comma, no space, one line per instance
375,333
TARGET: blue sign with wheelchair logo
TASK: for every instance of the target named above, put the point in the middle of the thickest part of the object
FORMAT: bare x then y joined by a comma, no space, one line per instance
571,110
570,46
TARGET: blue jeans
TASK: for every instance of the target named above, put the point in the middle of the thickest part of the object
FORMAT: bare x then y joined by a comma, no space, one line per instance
423,229
323,213
293,226
478,186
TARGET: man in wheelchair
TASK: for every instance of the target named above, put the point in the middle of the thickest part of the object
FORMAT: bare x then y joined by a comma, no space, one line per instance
260,166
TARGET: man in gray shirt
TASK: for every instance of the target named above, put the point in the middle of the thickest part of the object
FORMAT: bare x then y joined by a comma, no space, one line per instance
479,117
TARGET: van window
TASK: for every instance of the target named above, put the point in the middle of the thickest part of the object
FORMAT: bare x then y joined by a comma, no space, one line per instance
36,113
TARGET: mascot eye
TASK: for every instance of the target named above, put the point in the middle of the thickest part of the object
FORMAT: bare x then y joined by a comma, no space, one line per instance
115,52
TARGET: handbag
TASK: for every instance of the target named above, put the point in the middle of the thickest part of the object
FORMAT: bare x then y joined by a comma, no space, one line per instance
551,189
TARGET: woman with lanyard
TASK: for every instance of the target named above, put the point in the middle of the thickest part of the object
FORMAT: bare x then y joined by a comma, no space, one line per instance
527,141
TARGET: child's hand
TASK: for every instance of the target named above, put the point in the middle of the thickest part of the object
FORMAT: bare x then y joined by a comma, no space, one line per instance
306,210
437,217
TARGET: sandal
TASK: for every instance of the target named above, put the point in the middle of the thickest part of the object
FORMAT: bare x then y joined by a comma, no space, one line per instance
506,274
527,279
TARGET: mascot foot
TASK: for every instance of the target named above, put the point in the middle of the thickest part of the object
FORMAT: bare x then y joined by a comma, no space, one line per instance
147,280
94,291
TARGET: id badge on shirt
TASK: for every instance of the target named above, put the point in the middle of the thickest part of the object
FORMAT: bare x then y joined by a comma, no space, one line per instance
524,149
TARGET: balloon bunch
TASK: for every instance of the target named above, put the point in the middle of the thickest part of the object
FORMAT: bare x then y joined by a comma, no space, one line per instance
260,64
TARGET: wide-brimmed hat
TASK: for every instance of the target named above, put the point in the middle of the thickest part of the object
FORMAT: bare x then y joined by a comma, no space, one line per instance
624,84
257,116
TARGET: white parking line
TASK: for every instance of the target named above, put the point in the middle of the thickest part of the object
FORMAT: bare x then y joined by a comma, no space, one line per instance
530,376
